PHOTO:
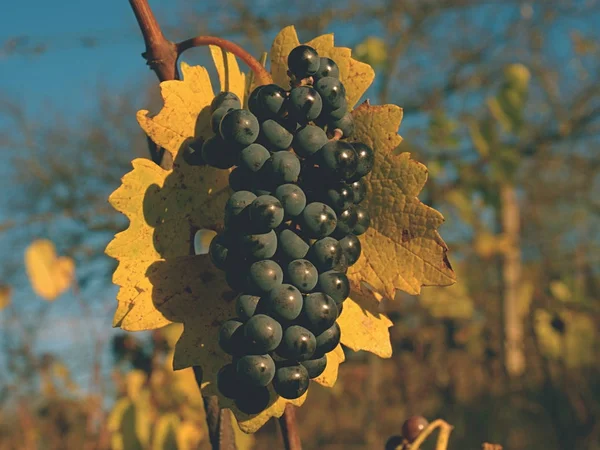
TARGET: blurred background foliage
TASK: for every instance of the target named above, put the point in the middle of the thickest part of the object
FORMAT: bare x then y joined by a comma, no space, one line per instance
501,102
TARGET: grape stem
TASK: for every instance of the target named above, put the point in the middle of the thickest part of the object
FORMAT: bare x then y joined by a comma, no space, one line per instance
161,54
261,76
337,135
289,429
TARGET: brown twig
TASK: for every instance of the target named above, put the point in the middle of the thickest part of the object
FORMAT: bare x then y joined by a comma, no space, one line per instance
289,429
261,76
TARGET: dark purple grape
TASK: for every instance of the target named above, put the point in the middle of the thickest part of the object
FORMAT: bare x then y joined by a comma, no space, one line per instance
327,68
325,254
262,334
363,221
318,220
292,199
228,382
359,187
284,302
413,426
315,367
304,104
351,248
255,370
264,275
225,100
328,339
297,343
366,159
302,274
338,159
319,312
303,61
291,380
335,284
245,306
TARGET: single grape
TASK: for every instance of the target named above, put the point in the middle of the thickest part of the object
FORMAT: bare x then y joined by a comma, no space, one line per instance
255,370
347,220
239,126
346,124
337,113
325,254
328,339
266,213
315,367
262,334
230,337
332,92
225,100
351,248
259,246
241,179
283,167
335,284
245,305
253,400
297,343
302,274
338,159
218,153
363,221
327,68
318,220
236,205
253,103
308,140
291,380
270,101
359,187
228,382
218,251
291,246
319,312
413,426
366,159
292,198
304,104
303,61
264,275
339,196
217,116
284,302
253,157
274,136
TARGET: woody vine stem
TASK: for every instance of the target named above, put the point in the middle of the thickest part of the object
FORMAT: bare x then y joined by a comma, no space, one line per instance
161,55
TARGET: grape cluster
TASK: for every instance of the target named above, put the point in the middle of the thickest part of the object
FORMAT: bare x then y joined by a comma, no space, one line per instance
291,226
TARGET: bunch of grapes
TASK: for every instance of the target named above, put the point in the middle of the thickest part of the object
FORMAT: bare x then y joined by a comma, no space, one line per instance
291,226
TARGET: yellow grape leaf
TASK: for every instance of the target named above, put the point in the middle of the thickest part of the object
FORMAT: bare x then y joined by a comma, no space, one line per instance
5,296
363,326
402,249
356,76
49,274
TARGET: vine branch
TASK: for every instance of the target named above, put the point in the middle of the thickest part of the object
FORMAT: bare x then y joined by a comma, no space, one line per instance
289,429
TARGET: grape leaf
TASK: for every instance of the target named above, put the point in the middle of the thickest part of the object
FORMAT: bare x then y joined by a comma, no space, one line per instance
363,326
402,249
356,76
